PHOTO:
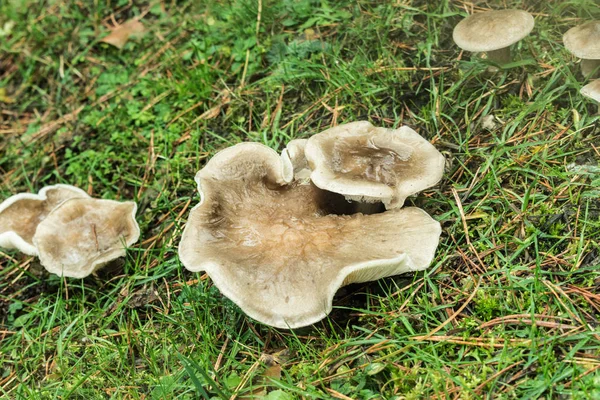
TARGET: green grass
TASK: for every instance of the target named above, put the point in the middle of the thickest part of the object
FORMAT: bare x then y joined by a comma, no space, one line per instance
509,307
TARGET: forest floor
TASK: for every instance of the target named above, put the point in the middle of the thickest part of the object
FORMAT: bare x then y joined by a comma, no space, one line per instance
509,307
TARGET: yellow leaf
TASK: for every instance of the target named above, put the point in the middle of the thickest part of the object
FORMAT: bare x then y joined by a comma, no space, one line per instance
121,33
4,98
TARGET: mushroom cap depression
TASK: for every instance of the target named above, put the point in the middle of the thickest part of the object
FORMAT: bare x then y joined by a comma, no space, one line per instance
584,40
592,90
82,235
492,30
21,214
277,250
370,164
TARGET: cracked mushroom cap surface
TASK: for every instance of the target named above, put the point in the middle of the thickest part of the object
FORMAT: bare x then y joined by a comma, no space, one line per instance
82,235
21,214
584,40
369,164
278,249
492,30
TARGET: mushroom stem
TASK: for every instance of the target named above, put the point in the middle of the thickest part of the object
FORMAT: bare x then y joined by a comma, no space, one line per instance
589,66
500,56
369,208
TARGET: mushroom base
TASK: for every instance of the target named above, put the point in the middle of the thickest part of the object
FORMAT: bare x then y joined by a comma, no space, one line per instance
500,56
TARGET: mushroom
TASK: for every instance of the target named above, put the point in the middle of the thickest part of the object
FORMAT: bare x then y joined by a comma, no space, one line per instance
83,234
592,91
294,154
584,42
369,164
20,215
493,32
274,247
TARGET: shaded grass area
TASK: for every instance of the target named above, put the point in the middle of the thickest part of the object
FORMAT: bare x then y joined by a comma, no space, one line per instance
509,308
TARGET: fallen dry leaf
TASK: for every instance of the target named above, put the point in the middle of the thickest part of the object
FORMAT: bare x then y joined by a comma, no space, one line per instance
121,33
223,98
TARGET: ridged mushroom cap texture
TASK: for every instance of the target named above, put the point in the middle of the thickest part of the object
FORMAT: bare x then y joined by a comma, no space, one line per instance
21,214
276,247
592,90
584,40
492,30
369,164
82,235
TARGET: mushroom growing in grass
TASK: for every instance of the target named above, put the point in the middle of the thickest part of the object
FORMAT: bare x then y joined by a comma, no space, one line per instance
592,91
278,249
493,32
584,42
21,214
369,164
83,234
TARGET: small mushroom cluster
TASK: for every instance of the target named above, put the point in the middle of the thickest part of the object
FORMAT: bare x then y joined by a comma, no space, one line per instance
72,234
495,31
584,42
279,234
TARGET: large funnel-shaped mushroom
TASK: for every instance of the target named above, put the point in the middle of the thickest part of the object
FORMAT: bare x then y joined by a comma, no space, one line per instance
82,235
370,164
20,215
274,247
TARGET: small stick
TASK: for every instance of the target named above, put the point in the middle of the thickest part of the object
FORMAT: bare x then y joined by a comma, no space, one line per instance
95,236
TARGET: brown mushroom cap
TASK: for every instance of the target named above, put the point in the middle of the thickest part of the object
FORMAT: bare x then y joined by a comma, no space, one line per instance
584,40
82,235
370,164
20,215
273,247
492,30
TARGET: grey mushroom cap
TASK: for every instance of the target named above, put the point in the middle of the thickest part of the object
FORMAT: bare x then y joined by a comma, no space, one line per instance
21,214
492,30
369,164
272,246
592,90
84,234
294,152
584,40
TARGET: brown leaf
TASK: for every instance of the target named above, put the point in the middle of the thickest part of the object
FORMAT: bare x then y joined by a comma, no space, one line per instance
273,372
121,33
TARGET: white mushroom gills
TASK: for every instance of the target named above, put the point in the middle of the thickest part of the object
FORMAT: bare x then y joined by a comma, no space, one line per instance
592,91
